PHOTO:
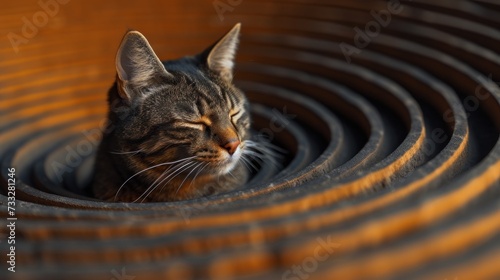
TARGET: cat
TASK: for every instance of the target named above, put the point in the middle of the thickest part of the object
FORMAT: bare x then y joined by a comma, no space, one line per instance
180,128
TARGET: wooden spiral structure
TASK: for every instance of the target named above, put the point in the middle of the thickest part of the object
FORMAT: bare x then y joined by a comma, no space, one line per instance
392,168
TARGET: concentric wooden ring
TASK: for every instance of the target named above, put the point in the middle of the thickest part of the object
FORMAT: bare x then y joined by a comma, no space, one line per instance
392,163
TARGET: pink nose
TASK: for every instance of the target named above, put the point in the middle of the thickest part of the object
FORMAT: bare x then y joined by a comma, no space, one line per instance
231,146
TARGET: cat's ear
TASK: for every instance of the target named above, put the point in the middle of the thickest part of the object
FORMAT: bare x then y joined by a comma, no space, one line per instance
220,56
136,64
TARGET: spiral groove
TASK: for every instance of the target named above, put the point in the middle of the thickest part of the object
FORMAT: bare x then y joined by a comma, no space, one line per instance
389,115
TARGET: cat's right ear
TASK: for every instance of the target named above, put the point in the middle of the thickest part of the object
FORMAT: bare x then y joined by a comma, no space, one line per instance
220,56
136,65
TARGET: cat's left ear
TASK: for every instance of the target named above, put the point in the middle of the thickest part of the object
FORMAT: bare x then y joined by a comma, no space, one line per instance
220,56
136,65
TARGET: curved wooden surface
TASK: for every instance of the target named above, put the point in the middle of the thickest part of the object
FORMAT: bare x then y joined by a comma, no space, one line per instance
392,167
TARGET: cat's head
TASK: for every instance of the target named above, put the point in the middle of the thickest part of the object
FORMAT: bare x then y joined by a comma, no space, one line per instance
173,110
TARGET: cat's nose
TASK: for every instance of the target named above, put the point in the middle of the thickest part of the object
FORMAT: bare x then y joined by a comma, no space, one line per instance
231,146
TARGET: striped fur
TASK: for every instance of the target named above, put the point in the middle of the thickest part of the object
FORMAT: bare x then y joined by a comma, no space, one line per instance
171,125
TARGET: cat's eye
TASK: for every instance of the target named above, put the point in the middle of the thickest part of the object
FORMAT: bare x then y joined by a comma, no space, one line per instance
202,124
234,115
199,125
194,125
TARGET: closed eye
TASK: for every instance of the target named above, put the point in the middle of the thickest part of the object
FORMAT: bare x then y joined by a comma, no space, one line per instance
194,125
235,116
202,124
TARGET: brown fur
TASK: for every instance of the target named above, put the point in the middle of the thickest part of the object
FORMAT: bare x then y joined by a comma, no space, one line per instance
164,112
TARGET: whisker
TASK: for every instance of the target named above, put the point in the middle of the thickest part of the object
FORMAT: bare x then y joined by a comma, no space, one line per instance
149,168
197,173
265,149
245,164
194,168
126,153
266,144
232,175
171,176
162,175
150,189
178,172
249,162
263,155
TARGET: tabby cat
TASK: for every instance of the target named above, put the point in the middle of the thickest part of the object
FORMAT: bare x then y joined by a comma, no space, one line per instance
178,129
